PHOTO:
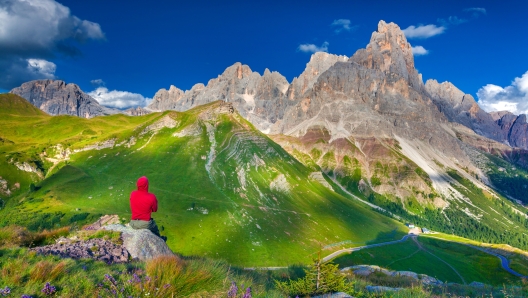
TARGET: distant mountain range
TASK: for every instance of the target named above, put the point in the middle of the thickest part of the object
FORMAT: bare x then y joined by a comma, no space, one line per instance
55,97
377,94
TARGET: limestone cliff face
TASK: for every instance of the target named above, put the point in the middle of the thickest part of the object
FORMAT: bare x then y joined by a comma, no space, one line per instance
166,99
257,97
318,64
369,104
462,108
58,98
389,52
514,128
138,111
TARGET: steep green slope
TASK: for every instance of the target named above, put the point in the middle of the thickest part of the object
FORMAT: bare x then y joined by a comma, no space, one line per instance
225,189
16,106
377,171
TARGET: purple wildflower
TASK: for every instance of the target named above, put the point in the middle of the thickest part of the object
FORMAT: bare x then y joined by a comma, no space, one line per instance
137,279
233,290
247,294
166,286
48,289
110,278
5,291
26,296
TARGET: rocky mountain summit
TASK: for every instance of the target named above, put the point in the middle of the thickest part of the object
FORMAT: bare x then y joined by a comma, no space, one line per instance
258,98
361,107
55,97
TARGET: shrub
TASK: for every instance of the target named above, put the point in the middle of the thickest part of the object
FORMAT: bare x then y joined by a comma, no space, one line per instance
321,278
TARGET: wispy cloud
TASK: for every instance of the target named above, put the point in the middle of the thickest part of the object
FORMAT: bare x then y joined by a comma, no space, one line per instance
343,24
452,21
419,51
311,48
423,31
476,11
118,99
513,98
97,83
34,31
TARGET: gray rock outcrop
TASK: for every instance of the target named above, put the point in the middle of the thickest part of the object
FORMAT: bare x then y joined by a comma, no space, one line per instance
513,127
257,98
389,52
366,270
55,97
166,99
138,111
141,244
462,108
318,64
381,289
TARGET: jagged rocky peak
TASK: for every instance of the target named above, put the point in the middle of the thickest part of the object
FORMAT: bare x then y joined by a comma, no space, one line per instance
462,108
165,99
496,115
445,90
55,97
319,63
389,52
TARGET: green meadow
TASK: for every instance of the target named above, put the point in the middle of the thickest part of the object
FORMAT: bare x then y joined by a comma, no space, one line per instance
446,261
225,190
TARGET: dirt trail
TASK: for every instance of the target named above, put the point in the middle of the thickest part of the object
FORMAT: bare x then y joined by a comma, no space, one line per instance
427,251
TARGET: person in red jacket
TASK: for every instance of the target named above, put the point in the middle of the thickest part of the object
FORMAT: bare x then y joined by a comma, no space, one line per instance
142,204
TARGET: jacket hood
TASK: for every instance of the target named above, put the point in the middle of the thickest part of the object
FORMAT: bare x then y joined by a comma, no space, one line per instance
142,184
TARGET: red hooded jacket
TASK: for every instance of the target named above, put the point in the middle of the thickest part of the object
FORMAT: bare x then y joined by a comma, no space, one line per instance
142,203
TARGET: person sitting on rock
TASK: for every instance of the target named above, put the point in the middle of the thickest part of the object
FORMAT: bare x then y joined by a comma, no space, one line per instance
142,204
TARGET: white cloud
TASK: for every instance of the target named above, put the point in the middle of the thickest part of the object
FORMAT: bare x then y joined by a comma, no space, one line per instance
476,10
311,48
38,30
15,71
42,67
118,99
97,83
423,31
342,24
513,98
419,51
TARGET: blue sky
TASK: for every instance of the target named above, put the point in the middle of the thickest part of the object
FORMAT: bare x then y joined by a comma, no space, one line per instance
137,47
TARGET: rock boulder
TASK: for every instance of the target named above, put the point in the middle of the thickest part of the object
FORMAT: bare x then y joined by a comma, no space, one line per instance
141,244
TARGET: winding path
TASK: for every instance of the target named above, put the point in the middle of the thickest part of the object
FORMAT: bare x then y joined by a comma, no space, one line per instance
440,259
505,263
349,250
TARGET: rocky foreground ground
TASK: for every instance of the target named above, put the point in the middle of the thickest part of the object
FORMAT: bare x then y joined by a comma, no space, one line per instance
97,249
136,244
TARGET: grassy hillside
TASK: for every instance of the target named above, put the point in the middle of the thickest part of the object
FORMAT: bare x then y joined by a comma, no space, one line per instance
376,170
431,258
225,189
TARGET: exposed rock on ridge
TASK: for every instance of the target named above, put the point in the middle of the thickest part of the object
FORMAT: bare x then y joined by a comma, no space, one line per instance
389,52
257,98
58,98
514,128
166,99
318,64
462,108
